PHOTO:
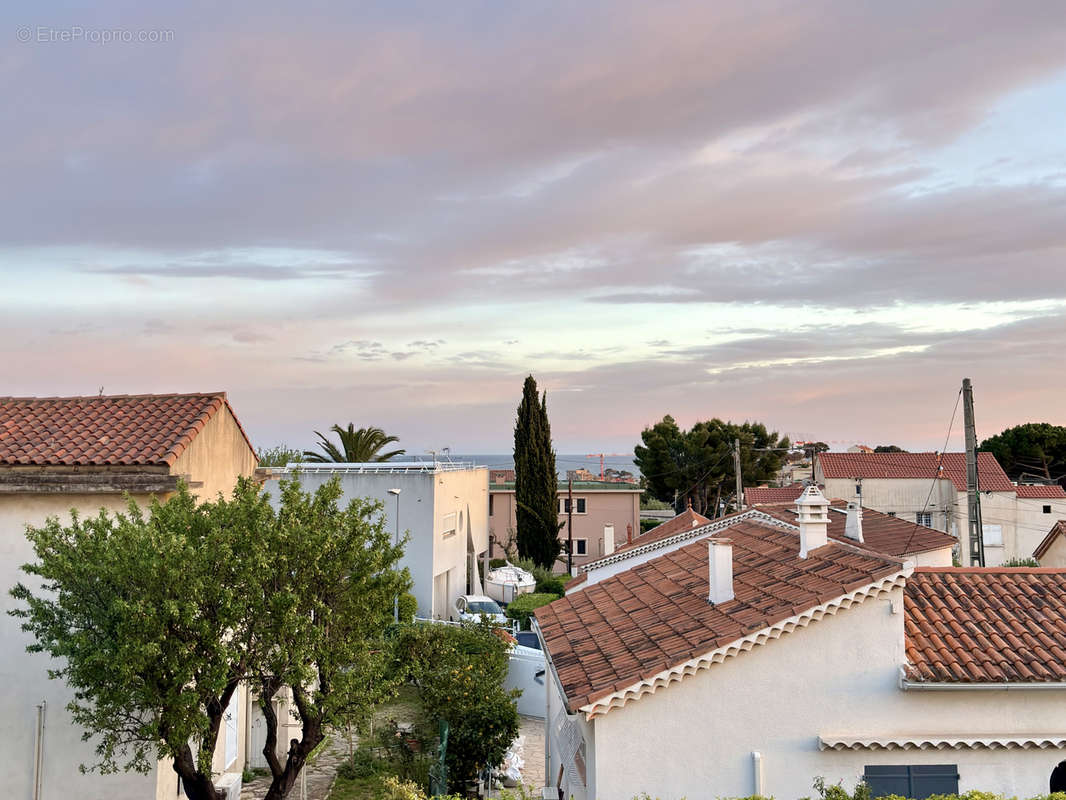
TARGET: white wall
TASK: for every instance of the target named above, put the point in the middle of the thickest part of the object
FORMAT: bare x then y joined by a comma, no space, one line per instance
424,500
839,676
24,681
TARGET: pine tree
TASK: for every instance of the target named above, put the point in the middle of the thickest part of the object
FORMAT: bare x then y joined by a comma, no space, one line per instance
535,479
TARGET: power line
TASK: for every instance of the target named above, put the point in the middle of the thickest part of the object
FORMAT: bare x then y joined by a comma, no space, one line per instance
936,477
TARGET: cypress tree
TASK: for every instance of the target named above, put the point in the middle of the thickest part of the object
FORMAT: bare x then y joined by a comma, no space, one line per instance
535,479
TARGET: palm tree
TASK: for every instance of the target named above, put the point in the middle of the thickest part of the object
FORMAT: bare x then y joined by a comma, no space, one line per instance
357,446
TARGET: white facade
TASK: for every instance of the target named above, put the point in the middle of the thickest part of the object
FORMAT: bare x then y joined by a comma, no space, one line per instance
443,507
835,680
34,706
1013,525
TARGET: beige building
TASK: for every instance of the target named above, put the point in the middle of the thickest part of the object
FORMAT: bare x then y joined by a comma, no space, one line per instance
605,516
84,453
930,489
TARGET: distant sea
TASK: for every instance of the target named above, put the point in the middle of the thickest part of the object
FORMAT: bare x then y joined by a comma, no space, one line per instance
563,462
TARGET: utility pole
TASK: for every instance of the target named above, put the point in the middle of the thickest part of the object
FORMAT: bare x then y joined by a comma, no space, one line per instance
973,495
570,525
736,469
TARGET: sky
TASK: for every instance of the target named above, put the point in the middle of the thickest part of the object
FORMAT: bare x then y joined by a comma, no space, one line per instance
818,215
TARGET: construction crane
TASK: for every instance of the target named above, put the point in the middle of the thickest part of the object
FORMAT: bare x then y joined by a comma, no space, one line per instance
602,456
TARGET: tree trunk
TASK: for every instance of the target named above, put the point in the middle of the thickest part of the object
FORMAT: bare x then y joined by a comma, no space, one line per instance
299,749
197,786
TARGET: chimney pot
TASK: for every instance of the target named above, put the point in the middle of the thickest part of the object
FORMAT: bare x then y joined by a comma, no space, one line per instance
629,533
812,509
853,525
720,570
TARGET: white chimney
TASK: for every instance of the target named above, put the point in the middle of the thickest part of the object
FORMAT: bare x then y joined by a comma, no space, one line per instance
608,539
813,511
720,570
853,525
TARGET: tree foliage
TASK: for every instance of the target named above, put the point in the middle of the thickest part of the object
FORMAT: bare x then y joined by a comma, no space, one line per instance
1034,451
697,464
357,446
157,616
536,481
326,595
888,448
279,455
460,671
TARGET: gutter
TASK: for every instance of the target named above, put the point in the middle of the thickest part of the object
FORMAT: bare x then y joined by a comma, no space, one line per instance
922,686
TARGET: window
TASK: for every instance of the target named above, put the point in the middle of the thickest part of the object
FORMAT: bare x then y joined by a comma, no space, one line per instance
490,505
449,525
581,547
579,505
891,513
993,535
918,781
925,518
1047,509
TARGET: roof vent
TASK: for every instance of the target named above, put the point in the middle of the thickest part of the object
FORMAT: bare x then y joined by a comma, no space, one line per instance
853,525
720,571
812,509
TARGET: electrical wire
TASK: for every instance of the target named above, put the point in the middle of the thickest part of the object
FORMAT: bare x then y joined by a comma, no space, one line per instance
936,477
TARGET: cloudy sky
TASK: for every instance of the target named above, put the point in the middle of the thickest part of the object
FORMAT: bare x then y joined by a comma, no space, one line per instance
820,215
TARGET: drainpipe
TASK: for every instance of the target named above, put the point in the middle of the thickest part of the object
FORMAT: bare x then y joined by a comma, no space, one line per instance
38,752
757,774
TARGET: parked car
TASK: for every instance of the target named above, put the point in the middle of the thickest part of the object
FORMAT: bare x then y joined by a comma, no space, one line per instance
472,607
528,639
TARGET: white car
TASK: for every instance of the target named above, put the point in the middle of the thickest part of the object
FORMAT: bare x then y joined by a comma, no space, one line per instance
472,607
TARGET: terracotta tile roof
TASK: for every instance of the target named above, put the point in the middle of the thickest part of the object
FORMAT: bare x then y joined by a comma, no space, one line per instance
656,534
117,430
758,495
986,625
881,533
684,521
1042,492
655,616
991,476
1057,530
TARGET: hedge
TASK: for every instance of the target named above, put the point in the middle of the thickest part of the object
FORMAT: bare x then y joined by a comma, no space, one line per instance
523,606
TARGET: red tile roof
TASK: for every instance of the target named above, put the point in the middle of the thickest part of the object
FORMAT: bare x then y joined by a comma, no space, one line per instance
881,533
1057,530
991,476
655,616
656,534
759,495
986,625
686,520
117,430
1042,492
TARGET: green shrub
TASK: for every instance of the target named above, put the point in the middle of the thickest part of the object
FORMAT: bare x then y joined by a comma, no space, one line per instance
647,524
362,764
552,585
523,606
1021,562
408,607
496,563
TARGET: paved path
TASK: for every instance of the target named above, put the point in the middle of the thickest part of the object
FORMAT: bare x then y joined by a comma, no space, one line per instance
318,777
533,773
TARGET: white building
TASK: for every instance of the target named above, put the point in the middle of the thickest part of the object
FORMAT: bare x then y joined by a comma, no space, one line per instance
930,488
86,453
443,506
768,654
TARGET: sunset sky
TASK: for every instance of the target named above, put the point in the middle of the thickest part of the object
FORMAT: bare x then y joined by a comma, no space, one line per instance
819,215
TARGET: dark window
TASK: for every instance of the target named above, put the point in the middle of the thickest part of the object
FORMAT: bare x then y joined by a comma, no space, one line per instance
579,505
917,781
490,505
1047,509
581,547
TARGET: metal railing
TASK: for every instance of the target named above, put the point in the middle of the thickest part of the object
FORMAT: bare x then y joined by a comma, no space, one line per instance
379,467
